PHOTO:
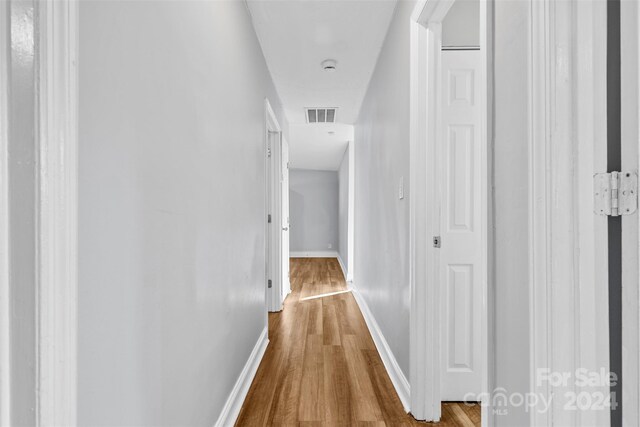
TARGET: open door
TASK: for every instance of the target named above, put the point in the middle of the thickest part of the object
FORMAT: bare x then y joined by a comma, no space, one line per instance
284,215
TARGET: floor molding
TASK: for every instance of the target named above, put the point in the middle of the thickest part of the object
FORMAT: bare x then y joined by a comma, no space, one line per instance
313,254
235,400
398,379
343,267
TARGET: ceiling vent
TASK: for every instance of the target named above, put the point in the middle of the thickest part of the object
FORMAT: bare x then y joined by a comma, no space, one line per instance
321,115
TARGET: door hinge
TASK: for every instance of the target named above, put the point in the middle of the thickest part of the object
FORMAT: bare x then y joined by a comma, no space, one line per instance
269,219
615,193
269,283
436,241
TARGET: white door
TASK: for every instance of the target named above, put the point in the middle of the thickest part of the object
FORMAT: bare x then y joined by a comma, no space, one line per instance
284,185
461,228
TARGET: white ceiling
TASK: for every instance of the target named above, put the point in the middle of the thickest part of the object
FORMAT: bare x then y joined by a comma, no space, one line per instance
296,36
312,147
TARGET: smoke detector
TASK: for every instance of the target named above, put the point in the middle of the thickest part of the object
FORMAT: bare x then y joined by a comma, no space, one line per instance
321,115
329,65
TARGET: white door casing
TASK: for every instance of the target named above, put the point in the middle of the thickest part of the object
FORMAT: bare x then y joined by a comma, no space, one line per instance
284,216
273,264
57,288
5,305
568,260
460,154
630,135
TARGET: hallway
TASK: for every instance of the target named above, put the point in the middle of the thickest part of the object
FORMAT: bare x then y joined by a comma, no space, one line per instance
321,366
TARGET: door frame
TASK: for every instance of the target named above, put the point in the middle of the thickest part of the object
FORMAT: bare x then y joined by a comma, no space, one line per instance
56,55
273,207
5,305
351,214
568,325
286,281
630,135
567,76
58,29
425,321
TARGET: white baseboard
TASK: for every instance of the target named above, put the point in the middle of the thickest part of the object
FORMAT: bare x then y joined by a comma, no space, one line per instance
314,254
398,379
235,400
343,267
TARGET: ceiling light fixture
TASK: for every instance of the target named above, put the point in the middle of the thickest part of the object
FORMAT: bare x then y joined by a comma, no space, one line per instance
329,65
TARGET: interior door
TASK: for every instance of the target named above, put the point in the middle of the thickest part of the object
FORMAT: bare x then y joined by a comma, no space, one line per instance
461,228
284,185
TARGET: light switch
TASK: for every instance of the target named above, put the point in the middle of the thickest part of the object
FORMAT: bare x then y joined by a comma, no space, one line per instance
401,188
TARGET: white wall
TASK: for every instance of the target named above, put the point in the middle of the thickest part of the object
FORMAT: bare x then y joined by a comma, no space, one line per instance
381,219
313,211
171,216
343,209
461,26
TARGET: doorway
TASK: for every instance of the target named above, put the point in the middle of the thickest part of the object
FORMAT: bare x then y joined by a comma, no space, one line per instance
449,218
277,212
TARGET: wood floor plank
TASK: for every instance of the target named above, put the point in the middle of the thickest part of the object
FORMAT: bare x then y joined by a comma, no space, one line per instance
472,411
330,325
311,408
390,403
315,317
321,367
364,404
284,407
336,386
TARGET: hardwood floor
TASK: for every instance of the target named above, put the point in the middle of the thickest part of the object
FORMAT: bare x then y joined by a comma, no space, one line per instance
322,368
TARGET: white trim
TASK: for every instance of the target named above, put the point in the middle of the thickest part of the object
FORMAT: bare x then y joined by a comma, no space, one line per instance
487,329
5,305
630,103
590,129
57,22
423,313
396,375
567,145
351,214
342,267
313,254
539,298
487,40
425,323
236,398
274,295
284,189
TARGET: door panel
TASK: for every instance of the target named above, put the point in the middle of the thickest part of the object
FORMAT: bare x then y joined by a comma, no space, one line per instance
460,191
460,321
461,252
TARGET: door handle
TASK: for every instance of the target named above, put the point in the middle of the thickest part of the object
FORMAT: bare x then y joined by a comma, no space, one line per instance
285,228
